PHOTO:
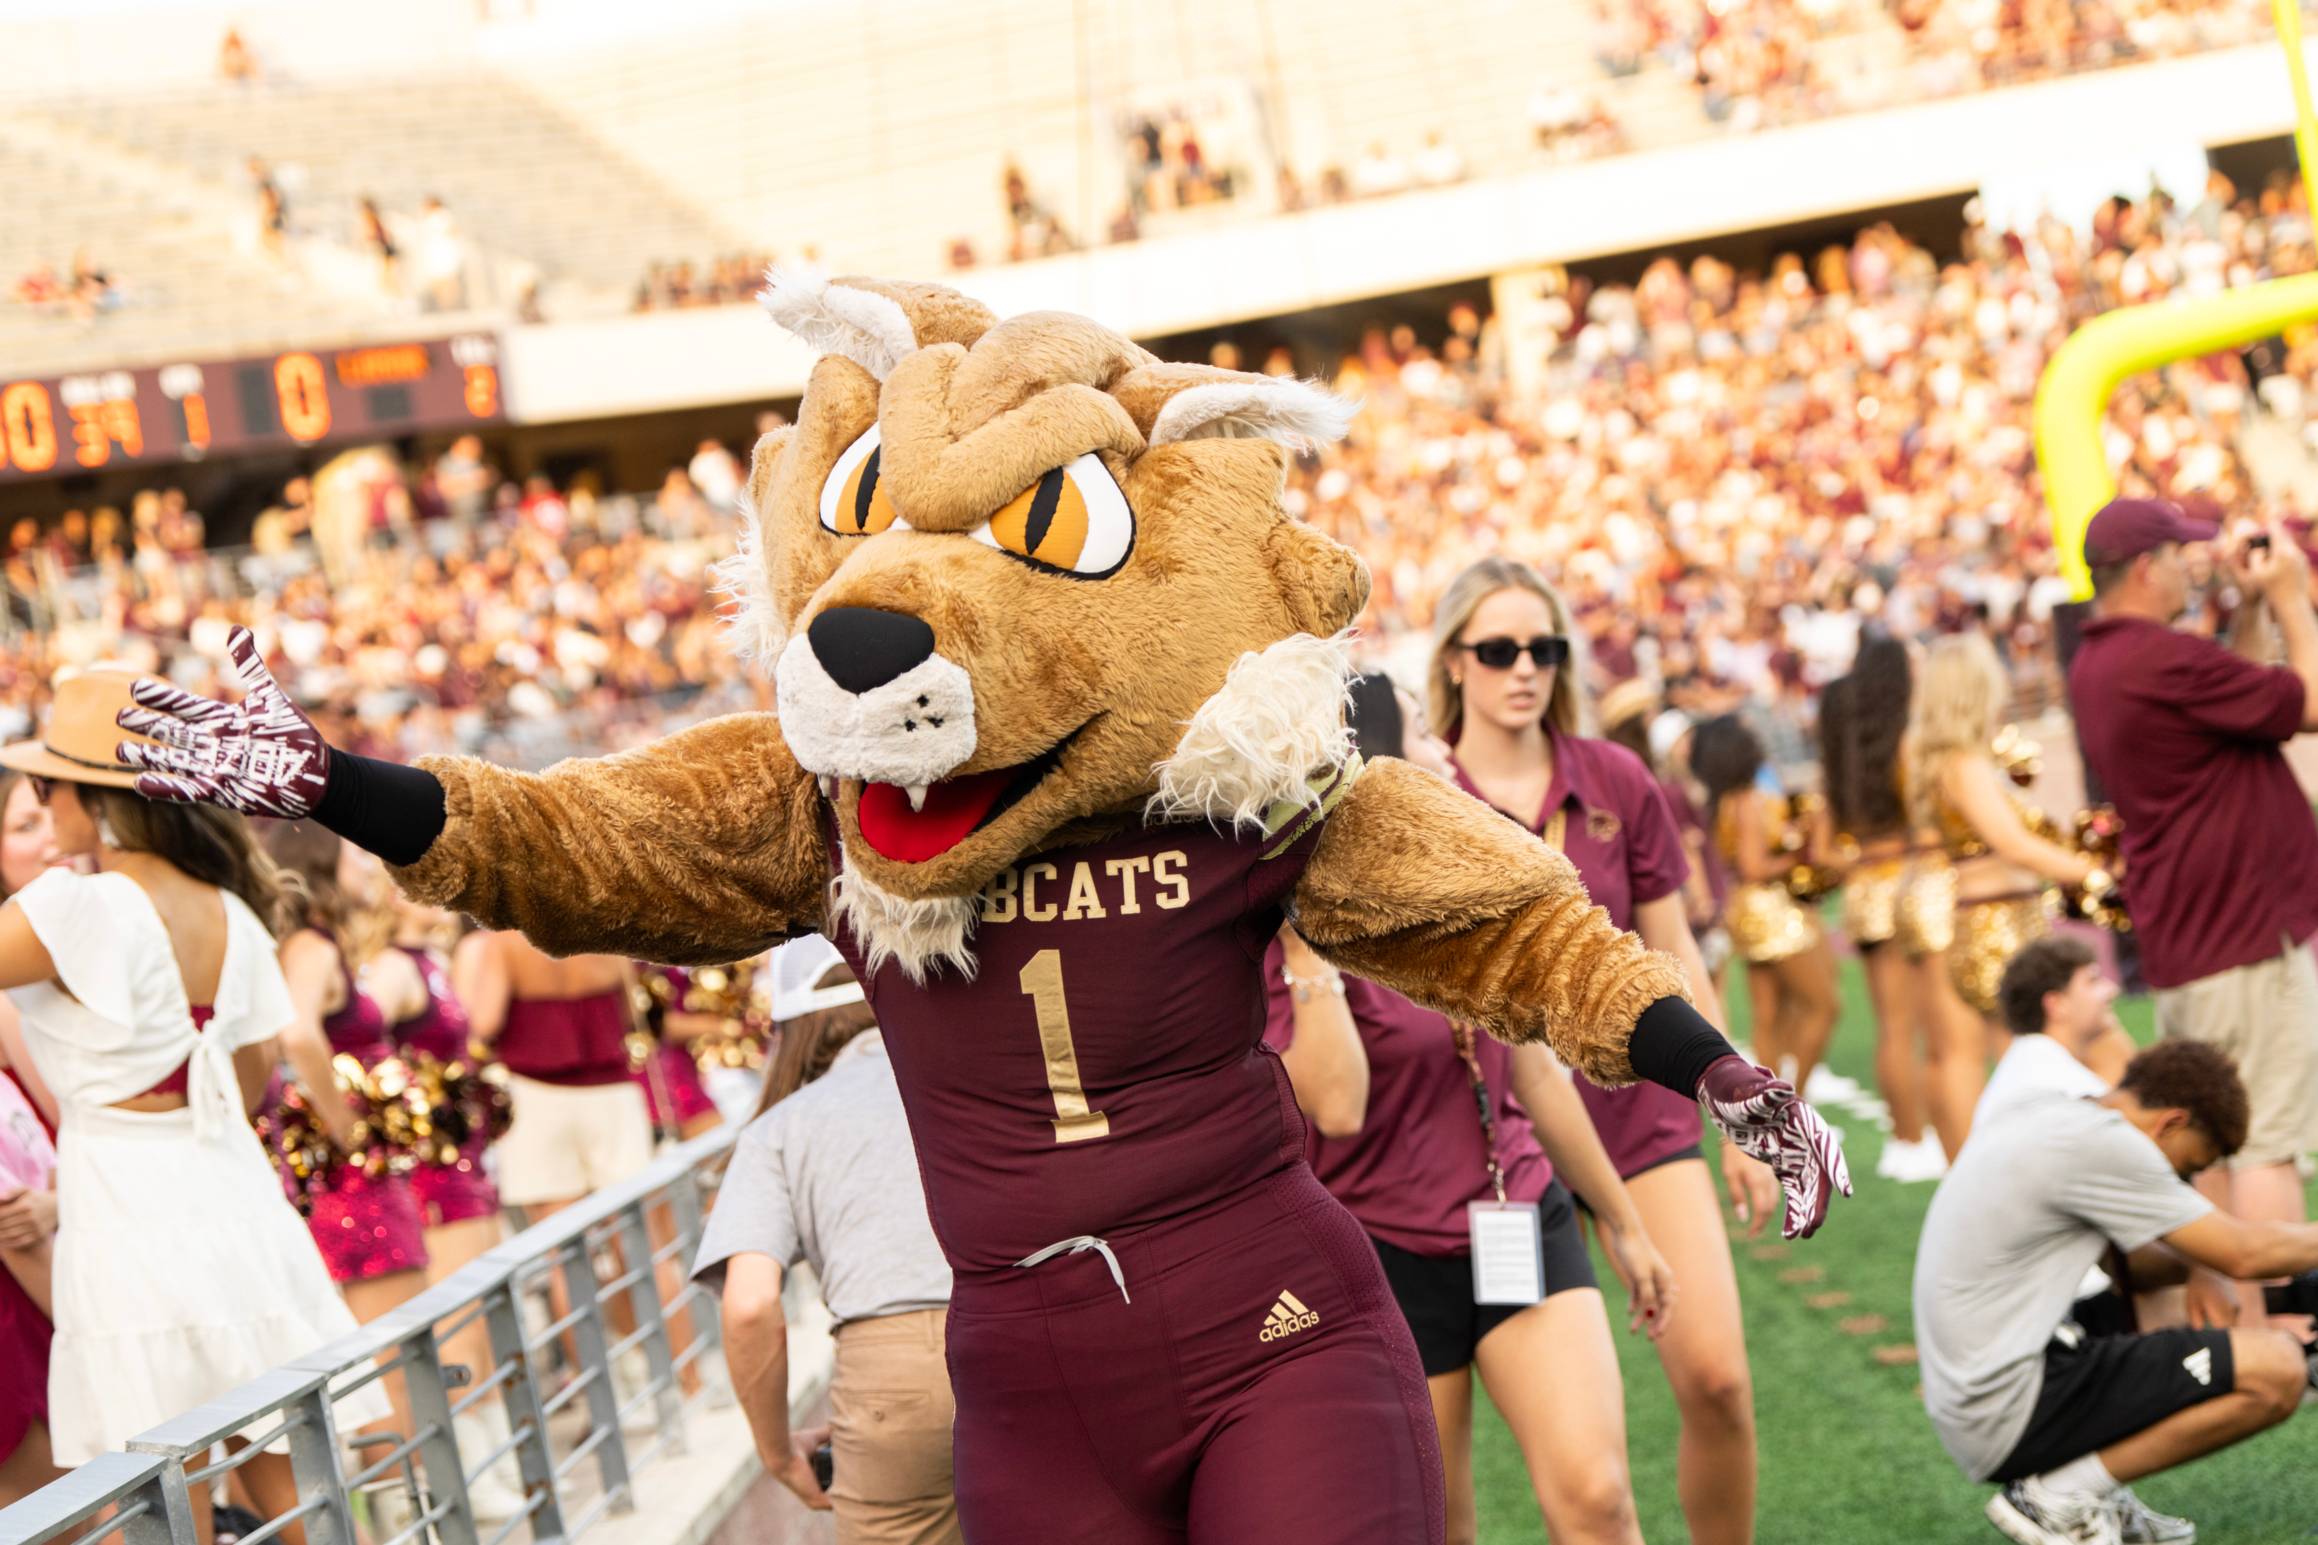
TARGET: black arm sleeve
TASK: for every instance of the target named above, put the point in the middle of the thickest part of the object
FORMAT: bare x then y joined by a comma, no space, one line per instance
386,808
1673,1045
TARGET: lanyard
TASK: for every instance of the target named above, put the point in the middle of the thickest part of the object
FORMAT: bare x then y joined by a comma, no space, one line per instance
1481,1103
1555,830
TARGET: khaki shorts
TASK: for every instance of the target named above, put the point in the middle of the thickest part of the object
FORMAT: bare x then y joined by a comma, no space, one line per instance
890,1412
2266,1017
567,1141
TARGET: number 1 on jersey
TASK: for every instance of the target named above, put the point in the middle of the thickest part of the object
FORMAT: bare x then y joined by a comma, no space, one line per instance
1042,982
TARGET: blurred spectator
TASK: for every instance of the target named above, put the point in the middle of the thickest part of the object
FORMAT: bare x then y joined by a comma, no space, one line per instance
281,525
236,65
463,479
377,241
1438,162
1378,172
717,475
273,207
39,286
1557,114
1033,229
441,258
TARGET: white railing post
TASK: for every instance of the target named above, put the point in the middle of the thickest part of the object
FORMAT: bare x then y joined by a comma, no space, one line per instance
504,1315
691,1223
595,1361
168,1518
652,1322
316,1464
438,1448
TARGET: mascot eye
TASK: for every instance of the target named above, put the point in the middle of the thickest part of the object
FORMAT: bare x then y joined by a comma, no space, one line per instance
1073,519
853,501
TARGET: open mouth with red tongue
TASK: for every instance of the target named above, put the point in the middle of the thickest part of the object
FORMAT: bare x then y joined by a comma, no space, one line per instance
953,810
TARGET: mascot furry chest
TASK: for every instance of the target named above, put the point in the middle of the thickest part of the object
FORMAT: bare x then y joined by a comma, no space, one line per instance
1060,740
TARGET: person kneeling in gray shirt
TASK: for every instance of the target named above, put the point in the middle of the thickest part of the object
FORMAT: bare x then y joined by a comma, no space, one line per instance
826,1173
2018,1389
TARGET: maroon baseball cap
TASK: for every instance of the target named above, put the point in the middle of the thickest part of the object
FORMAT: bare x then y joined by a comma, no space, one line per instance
2126,528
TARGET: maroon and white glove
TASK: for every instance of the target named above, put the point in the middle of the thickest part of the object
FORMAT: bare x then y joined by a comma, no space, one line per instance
1764,1116
260,756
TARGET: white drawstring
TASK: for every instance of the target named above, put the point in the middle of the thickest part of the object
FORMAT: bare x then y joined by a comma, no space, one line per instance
1073,1246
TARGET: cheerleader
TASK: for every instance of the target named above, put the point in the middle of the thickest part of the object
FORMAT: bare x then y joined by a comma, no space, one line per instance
367,1222
1997,841
1790,970
458,1205
1899,911
668,1072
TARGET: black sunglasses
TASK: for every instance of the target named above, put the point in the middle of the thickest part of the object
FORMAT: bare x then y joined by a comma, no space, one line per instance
1548,651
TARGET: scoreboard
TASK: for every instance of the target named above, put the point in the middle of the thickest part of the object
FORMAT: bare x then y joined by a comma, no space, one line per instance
158,414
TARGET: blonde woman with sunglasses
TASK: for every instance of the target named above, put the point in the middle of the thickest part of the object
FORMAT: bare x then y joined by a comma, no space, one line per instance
1505,690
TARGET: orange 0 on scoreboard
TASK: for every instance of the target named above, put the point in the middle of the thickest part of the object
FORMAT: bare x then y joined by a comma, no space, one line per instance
158,414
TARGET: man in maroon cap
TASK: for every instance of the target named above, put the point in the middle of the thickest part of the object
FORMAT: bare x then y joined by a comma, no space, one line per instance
2220,849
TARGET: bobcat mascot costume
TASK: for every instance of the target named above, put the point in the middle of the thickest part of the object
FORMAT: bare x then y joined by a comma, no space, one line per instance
1060,739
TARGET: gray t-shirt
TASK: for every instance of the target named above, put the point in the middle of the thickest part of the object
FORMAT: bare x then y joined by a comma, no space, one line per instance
829,1176
2029,1205
2032,1068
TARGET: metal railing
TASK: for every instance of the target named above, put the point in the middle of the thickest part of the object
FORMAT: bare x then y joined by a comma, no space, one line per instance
571,1428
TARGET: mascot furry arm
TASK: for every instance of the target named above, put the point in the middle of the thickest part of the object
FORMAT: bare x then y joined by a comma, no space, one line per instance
1025,588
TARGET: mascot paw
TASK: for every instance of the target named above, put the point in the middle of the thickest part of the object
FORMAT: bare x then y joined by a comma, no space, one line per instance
260,756
1768,1121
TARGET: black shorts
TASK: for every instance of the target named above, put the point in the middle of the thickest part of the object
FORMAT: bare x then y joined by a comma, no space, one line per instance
2100,1389
1436,1291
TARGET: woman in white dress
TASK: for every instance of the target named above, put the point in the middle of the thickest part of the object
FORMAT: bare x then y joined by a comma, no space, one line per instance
150,996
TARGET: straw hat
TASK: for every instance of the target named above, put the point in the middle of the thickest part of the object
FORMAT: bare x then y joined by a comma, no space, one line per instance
77,745
1627,700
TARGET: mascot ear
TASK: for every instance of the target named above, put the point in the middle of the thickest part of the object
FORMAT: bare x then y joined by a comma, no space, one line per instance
1294,413
873,322
1323,583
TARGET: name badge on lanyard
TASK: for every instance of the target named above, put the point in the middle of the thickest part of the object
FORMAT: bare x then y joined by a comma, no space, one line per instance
1508,1237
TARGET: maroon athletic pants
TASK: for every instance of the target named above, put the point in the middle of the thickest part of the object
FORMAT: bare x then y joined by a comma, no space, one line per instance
1261,1386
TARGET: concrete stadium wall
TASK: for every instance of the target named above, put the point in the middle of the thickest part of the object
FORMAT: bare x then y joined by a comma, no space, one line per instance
1344,252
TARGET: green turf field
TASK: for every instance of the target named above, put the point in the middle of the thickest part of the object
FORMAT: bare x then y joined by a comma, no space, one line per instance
1847,1455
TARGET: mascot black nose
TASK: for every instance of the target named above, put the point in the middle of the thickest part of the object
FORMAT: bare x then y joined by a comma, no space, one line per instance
863,649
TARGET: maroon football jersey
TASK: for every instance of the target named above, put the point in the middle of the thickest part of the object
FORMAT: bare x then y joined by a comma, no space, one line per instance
1104,1068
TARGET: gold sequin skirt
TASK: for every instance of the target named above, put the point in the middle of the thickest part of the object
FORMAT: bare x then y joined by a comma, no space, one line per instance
1767,924
1906,901
1926,912
1871,900
1988,935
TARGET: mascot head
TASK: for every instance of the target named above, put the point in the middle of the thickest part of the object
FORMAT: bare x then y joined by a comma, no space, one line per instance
1021,582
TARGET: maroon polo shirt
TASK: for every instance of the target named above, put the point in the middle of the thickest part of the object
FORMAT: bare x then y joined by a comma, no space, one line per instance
1418,1157
1619,831
2186,738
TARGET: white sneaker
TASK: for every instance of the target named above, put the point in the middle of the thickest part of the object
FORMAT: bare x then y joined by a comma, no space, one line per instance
2031,1514
1825,1086
1912,1163
2140,1524
496,1493
631,1372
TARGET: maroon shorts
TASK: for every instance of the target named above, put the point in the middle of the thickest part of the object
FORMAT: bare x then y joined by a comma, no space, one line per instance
1261,1385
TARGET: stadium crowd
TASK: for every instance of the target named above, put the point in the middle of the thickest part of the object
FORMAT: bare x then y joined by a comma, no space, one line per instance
1728,472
